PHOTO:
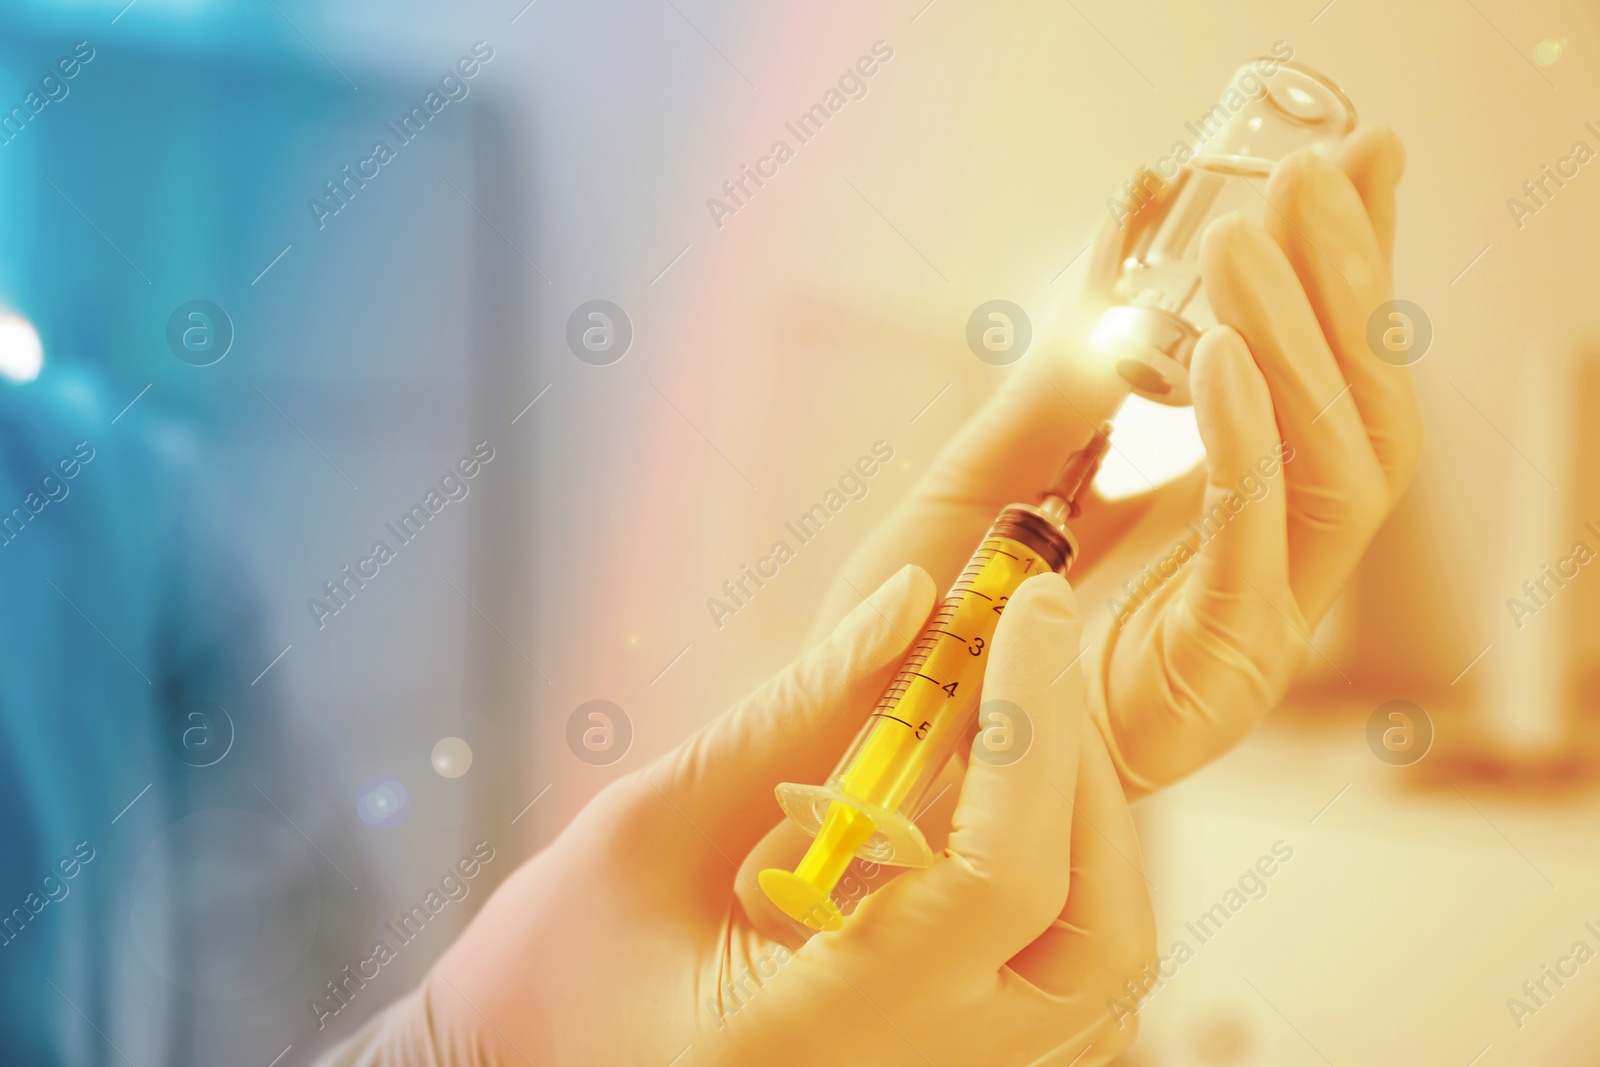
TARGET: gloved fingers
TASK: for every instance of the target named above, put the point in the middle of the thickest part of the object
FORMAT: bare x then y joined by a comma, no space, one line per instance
1189,657
1324,228
1106,934
1006,870
1241,533
793,728
1374,158
1130,212
1336,490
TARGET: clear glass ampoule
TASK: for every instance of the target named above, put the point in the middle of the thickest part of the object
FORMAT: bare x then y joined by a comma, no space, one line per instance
1161,307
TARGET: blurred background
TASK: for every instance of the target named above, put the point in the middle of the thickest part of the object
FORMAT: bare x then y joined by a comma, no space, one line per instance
266,770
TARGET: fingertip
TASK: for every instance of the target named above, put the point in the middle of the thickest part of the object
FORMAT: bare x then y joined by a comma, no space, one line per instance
1040,633
1375,158
1229,243
1232,401
886,620
1049,594
1303,180
1221,364
912,584
1221,342
906,597
1374,155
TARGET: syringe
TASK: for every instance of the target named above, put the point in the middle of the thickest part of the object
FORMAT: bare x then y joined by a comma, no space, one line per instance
868,805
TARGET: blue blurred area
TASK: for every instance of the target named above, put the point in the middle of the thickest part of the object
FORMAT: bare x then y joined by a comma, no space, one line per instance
369,353
134,622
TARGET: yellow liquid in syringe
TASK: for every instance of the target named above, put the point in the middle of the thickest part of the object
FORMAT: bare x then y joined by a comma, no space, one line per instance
867,806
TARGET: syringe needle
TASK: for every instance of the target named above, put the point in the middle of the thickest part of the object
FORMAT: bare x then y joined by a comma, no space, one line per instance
1060,502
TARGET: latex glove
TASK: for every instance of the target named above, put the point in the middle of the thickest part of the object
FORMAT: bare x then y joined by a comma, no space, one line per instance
1202,661
624,942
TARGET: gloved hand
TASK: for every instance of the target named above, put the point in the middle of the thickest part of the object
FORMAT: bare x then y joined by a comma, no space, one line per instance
624,942
1208,654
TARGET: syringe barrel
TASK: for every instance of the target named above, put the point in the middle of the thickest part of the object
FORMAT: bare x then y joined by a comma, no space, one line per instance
928,708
